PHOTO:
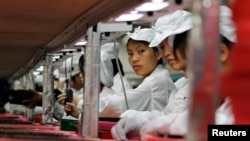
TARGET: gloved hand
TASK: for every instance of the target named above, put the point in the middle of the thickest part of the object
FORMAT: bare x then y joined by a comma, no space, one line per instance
157,125
127,128
61,98
180,124
172,124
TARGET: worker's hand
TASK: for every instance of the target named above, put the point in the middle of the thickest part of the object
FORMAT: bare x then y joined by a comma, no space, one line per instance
180,124
76,99
71,108
172,124
36,100
159,125
61,98
127,128
67,97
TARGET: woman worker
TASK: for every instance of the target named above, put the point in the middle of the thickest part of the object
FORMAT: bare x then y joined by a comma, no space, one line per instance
155,88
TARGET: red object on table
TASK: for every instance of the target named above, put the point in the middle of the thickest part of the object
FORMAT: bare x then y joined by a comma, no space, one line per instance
105,130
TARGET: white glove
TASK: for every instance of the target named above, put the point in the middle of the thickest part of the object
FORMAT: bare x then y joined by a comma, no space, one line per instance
127,128
172,124
157,125
180,124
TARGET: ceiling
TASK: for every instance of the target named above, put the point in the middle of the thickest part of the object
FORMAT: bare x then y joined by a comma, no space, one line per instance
31,28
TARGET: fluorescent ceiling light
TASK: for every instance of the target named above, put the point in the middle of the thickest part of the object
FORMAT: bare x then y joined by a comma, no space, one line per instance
151,6
68,49
36,73
40,68
157,1
56,57
81,43
56,54
128,17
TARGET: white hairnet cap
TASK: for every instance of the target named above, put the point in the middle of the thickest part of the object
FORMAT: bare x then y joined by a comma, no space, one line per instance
75,70
56,73
171,24
106,67
140,34
110,49
39,78
62,74
227,27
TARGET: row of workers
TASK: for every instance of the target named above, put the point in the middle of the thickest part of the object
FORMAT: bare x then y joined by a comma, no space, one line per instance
157,104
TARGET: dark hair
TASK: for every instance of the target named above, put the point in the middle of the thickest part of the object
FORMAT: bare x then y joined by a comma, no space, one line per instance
180,43
225,41
81,64
73,78
38,87
115,67
156,49
144,42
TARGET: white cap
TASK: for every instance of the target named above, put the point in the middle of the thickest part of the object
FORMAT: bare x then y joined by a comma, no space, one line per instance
109,49
56,73
106,67
140,34
62,75
171,24
75,70
227,27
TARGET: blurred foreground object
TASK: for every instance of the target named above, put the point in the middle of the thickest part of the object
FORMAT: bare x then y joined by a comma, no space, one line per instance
235,83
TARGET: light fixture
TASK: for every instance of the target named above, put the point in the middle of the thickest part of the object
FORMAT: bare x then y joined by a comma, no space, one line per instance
36,73
81,43
40,68
151,6
56,57
129,17
157,1
68,50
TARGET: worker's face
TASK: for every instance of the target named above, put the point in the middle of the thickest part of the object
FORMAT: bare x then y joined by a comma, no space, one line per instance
142,58
78,83
178,63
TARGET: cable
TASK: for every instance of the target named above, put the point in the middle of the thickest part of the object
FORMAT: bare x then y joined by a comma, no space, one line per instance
119,70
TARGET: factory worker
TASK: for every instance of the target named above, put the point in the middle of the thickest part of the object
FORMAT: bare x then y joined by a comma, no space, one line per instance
146,62
156,86
176,122
106,82
165,28
224,113
76,81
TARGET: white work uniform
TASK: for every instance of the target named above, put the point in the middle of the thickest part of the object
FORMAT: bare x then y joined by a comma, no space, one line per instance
151,94
79,94
117,85
179,98
179,121
105,91
177,102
